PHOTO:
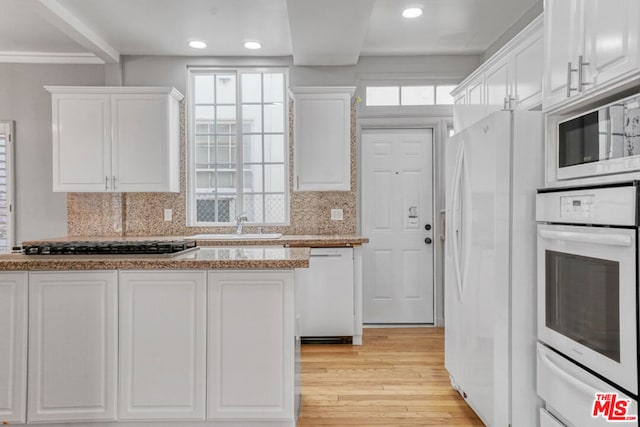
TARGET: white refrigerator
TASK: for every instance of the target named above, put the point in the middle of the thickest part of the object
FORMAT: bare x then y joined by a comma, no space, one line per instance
493,169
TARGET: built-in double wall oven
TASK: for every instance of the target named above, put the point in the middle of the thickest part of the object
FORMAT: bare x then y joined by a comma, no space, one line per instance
587,299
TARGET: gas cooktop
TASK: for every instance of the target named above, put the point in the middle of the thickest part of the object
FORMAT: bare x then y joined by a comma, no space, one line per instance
132,247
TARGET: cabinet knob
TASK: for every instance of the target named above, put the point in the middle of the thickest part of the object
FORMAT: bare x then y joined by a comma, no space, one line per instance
428,240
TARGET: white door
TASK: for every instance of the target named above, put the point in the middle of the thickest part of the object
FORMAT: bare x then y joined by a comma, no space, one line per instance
162,344
397,217
475,100
13,346
73,353
527,73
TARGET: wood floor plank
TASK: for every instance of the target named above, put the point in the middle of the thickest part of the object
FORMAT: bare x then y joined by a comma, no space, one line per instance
396,378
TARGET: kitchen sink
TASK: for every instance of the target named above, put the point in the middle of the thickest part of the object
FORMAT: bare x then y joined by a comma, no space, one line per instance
234,236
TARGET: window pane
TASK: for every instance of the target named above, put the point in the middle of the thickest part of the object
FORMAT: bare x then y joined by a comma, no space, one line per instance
251,88
253,178
274,87
254,207
274,178
383,95
203,89
252,118
443,96
273,118
418,95
204,118
226,149
226,89
274,208
274,148
252,149
226,122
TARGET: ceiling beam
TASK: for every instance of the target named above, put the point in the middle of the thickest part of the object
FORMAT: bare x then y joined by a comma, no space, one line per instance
76,29
328,32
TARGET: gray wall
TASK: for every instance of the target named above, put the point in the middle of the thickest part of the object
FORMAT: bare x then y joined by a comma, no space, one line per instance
40,213
172,71
535,10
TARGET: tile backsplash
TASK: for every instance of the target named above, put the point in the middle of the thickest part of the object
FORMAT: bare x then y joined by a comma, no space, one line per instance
142,214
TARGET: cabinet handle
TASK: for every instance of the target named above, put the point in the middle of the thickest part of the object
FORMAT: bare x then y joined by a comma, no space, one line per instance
113,179
512,100
106,182
581,65
504,103
569,71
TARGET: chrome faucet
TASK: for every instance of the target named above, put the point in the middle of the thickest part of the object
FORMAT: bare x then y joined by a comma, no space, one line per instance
240,219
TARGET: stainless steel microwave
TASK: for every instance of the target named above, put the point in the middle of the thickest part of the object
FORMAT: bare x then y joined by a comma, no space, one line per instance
600,142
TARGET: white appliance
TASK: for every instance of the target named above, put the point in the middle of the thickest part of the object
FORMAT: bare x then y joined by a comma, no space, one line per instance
602,141
493,170
587,297
325,294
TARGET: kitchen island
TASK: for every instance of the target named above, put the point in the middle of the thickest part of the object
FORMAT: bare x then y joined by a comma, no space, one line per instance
206,338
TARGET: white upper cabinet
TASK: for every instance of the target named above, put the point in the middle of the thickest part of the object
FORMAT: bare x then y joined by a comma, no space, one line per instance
13,347
322,138
122,139
510,80
590,46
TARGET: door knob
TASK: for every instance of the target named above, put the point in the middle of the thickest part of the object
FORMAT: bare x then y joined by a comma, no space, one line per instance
428,240
427,227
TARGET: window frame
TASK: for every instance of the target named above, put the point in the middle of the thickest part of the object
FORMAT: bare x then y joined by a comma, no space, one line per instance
8,128
190,166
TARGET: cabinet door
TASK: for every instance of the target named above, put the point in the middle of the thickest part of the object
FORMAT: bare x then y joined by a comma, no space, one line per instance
475,100
13,347
162,345
460,120
251,345
563,43
141,139
81,142
611,39
497,86
322,142
72,346
527,72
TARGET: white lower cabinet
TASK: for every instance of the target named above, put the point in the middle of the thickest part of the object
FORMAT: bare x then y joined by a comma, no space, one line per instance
72,346
162,345
251,346
13,347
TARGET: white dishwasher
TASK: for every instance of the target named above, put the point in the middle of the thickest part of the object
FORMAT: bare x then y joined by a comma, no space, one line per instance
324,294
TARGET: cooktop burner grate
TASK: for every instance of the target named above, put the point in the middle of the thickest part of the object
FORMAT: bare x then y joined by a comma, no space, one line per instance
144,247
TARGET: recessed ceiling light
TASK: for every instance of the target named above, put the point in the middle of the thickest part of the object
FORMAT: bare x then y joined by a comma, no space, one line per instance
252,45
197,44
412,12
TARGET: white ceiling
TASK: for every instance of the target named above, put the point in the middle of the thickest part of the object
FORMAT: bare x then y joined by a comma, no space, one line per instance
314,32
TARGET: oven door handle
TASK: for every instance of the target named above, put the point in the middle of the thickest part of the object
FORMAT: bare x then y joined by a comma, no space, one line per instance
565,375
593,238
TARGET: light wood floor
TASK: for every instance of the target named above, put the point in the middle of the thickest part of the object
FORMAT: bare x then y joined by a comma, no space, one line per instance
397,378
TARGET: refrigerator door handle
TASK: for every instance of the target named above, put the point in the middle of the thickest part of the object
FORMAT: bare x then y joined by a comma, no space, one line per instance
456,220
467,220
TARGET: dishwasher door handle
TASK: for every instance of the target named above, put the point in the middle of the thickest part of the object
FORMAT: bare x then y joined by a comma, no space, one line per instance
325,256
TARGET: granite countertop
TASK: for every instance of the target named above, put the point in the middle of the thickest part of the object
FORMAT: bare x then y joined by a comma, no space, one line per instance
334,240
202,258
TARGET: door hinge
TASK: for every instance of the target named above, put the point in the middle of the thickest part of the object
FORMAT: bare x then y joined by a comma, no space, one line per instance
10,136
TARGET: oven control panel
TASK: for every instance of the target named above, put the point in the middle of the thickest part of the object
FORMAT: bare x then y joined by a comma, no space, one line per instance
612,206
576,206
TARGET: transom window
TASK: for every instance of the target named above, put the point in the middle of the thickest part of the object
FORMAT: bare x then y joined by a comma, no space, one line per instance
378,96
229,179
